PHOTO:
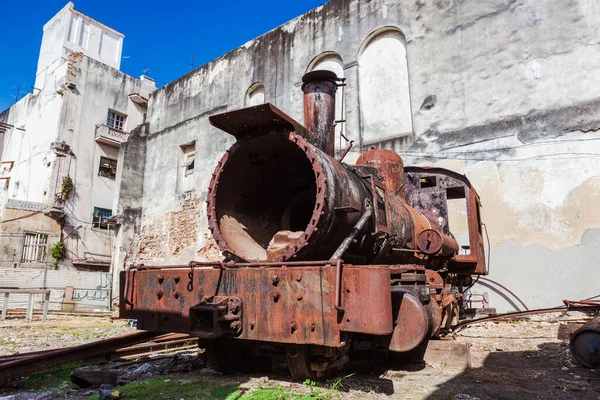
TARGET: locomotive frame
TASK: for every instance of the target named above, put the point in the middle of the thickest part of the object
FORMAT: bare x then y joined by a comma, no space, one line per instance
394,280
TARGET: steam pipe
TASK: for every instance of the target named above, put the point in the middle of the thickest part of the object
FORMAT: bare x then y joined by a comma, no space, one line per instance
360,225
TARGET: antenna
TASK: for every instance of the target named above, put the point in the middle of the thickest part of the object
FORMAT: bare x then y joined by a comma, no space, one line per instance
125,58
192,63
19,92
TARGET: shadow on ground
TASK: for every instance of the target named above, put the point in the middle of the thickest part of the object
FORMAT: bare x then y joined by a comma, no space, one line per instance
548,373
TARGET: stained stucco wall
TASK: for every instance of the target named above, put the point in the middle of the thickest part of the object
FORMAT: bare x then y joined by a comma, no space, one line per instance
501,90
70,114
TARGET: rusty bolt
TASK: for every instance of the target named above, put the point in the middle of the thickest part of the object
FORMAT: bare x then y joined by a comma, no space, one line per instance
275,280
293,327
161,279
176,295
177,279
313,327
159,294
235,326
276,297
298,277
234,308
299,297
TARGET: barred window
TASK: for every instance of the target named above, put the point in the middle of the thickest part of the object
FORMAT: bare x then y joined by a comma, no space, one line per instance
101,215
108,168
115,120
35,247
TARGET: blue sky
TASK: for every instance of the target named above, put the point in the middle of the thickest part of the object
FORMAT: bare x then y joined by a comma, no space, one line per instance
159,35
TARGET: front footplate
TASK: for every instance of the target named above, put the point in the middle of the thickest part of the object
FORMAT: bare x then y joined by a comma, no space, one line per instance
216,316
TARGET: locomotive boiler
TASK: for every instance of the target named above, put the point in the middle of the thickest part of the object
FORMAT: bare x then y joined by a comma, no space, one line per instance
320,257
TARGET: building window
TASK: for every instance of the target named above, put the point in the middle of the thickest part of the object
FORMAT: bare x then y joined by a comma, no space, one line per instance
115,120
189,156
35,247
108,168
383,74
255,95
101,215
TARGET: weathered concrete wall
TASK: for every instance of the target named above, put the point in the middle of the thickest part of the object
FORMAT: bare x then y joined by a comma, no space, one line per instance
99,88
501,90
13,226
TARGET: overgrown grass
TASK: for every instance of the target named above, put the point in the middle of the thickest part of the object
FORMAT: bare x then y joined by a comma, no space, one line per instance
280,394
56,378
167,389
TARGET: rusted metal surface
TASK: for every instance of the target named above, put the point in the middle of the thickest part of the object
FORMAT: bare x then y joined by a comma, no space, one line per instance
273,184
433,242
278,204
584,303
283,305
428,190
257,120
412,323
216,316
319,89
276,198
585,344
390,167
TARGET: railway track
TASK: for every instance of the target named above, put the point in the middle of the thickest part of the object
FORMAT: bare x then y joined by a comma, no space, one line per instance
143,343
125,347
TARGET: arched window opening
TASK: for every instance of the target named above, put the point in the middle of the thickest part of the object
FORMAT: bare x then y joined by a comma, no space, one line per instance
384,89
255,95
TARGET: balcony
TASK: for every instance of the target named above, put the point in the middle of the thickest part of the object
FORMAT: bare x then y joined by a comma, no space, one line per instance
110,136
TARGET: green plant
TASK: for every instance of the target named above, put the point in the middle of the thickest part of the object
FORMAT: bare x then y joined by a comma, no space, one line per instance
168,389
337,385
57,378
65,189
58,252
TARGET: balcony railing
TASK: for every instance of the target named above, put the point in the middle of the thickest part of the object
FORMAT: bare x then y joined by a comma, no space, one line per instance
110,136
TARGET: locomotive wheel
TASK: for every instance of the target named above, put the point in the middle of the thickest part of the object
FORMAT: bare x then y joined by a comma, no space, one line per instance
298,361
220,357
227,357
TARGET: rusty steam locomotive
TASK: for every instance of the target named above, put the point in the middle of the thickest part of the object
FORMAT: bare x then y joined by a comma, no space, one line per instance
319,256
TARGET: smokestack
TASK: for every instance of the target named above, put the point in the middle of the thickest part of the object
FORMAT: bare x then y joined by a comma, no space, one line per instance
319,89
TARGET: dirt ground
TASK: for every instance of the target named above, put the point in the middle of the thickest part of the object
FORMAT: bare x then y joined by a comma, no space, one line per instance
524,359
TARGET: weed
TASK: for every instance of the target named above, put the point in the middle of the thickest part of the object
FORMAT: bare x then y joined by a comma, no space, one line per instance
57,378
337,385
167,389
8,342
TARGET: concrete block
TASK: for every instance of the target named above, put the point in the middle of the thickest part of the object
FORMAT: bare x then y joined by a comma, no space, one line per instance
85,378
448,354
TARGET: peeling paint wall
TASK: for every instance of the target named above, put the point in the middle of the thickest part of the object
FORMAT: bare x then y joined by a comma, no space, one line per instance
500,90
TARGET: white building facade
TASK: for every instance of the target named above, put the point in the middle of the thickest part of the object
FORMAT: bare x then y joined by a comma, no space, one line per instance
59,148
